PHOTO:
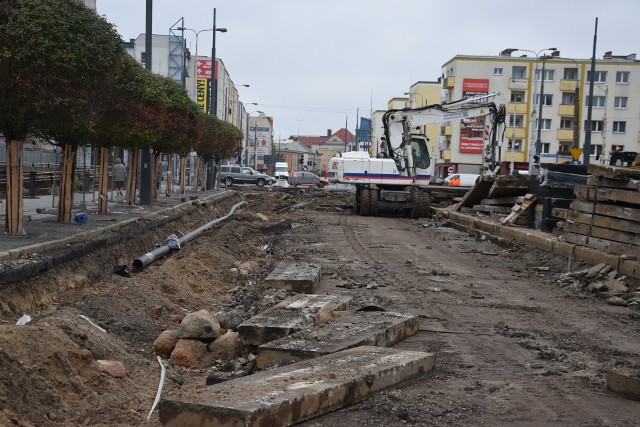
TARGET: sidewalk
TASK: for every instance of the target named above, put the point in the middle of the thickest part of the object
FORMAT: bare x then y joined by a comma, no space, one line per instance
42,231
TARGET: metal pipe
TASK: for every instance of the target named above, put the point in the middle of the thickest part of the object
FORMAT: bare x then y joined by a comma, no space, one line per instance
146,259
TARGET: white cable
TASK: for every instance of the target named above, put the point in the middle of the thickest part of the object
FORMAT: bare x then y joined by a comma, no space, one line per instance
155,402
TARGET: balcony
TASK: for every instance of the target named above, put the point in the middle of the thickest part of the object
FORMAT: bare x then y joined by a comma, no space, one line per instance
565,135
516,108
518,133
446,130
446,154
449,82
518,84
518,156
568,85
567,110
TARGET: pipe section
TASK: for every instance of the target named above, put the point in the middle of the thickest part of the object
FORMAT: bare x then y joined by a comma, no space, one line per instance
159,252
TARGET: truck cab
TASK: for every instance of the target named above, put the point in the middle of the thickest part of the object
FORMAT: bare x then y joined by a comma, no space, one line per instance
281,170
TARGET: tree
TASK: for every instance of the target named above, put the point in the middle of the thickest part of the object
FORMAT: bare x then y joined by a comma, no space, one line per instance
219,140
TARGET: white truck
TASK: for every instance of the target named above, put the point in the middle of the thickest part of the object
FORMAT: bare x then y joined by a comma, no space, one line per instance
398,179
281,170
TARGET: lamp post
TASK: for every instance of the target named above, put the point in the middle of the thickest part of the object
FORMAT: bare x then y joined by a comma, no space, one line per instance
413,101
195,61
533,122
213,103
576,121
604,121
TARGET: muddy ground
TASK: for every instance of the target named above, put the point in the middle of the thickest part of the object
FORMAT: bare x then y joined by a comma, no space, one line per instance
518,341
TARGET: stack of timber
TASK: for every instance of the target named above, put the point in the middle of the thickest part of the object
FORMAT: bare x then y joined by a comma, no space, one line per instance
606,212
495,196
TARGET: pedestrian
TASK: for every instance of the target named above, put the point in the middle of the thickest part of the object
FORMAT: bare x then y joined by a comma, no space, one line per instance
119,175
455,181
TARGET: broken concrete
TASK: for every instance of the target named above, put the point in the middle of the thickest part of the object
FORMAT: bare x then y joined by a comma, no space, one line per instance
297,392
379,328
291,315
297,277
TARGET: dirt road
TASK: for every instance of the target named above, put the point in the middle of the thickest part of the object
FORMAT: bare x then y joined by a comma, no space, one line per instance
517,342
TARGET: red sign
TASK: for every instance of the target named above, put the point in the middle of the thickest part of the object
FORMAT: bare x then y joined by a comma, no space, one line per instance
475,86
203,69
472,130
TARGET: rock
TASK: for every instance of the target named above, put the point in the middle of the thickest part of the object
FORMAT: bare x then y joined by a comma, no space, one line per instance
616,301
228,367
229,319
156,312
188,353
226,346
595,270
248,265
214,379
323,316
616,287
112,367
597,287
261,217
166,342
177,318
631,296
199,325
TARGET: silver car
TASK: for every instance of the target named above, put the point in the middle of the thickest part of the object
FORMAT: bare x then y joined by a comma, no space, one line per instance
306,179
243,175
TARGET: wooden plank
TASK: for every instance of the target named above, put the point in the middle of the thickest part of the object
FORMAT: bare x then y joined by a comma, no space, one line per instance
494,209
603,233
103,181
15,202
602,244
614,172
518,210
183,170
502,201
476,193
592,194
598,220
600,181
608,210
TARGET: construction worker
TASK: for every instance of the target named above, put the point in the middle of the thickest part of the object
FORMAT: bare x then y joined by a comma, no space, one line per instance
455,181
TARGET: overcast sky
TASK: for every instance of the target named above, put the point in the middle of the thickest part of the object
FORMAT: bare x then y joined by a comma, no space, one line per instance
310,64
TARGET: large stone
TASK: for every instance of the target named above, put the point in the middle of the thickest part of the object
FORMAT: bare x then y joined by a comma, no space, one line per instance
226,346
379,328
112,367
293,393
291,315
298,277
199,325
616,287
188,353
166,342
229,319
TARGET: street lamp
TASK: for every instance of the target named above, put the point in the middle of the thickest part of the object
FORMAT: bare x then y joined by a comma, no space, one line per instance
533,149
213,104
413,101
195,61
576,122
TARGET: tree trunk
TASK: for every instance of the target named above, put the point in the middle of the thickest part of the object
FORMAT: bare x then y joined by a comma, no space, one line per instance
155,168
15,206
169,174
183,172
132,180
196,175
65,202
103,181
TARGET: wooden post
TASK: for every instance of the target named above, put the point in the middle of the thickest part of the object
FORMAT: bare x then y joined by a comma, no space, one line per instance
196,174
154,174
183,172
103,181
15,205
132,180
65,201
169,173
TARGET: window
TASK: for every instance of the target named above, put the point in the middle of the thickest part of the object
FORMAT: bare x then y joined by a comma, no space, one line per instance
619,127
622,77
599,76
570,74
518,72
596,125
620,102
548,75
517,96
545,124
517,146
516,120
546,147
617,148
547,100
598,101
596,150
143,57
566,123
497,71
568,98
564,147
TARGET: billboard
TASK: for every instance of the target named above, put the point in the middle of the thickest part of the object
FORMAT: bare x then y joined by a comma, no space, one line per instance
203,69
262,135
202,93
472,129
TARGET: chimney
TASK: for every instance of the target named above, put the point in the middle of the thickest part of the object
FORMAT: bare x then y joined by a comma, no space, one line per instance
608,54
329,133
555,53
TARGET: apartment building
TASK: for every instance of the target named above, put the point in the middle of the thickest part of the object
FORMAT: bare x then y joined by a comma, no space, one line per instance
550,90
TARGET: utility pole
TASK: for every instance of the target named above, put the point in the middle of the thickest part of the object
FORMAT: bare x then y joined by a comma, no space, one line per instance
145,158
586,154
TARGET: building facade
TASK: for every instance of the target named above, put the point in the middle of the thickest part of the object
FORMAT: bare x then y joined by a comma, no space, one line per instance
556,97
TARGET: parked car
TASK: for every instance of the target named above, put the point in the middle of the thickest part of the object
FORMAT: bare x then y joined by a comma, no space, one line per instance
243,175
306,179
436,180
466,179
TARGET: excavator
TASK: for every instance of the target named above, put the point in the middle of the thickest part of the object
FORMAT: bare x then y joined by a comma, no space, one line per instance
397,179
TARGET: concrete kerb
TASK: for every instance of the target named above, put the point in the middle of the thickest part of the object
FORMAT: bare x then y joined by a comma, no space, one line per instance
92,241
539,240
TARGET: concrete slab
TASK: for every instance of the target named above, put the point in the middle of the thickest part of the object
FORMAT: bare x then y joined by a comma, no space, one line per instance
379,328
298,277
293,393
291,315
